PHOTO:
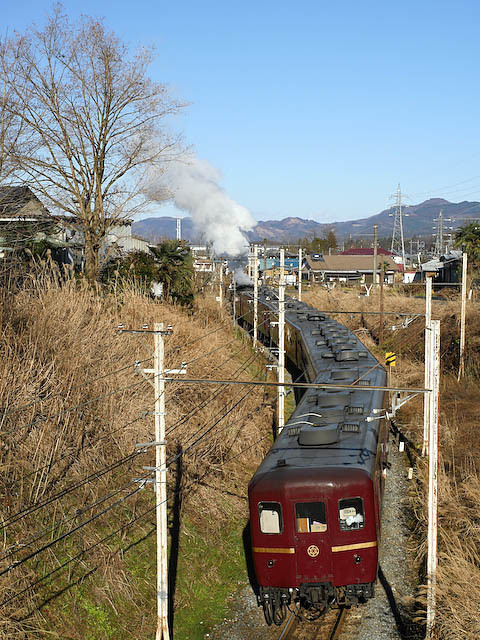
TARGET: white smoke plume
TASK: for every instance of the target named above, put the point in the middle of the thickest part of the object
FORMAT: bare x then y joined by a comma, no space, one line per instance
241,277
194,185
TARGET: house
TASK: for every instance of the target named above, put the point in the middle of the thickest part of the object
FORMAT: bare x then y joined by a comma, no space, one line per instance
347,268
442,270
26,222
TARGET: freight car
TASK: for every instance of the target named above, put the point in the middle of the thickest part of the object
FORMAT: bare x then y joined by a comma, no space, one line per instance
315,499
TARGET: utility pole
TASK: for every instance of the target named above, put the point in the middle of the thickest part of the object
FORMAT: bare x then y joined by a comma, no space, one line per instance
281,342
382,276
426,399
375,249
249,268
461,368
234,287
161,485
300,260
255,296
398,244
433,477
220,293
179,229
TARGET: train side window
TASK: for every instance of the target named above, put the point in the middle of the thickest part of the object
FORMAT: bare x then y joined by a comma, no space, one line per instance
310,517
351,514
270,514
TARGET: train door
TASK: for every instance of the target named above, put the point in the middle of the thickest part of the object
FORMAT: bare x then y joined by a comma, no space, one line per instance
313,549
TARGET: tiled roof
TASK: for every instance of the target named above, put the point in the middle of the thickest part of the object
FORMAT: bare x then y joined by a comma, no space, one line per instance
365,252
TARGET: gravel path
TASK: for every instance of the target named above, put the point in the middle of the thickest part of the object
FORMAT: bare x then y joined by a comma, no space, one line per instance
383,618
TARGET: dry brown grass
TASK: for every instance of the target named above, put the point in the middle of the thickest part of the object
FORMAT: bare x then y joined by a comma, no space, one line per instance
71,404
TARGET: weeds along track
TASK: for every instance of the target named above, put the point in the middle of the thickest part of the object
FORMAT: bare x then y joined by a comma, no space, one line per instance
77,554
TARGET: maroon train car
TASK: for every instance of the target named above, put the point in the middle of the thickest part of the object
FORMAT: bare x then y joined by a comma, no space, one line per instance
315,499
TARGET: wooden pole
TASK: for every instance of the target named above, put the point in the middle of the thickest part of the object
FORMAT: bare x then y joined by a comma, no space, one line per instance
160,486
426,400
300,260
382,276
281,342
461,368
375,248
234,287
433,477
220,293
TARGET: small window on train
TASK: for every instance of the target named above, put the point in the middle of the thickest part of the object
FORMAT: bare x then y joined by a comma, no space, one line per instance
270,514
351,514
310,517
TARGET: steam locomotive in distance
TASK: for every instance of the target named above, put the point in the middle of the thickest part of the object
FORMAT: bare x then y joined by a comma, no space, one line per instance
315,500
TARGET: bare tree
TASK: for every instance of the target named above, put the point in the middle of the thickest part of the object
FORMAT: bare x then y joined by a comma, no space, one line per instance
93,124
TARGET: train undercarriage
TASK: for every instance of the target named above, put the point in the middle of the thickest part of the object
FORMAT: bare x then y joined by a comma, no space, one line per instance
314,599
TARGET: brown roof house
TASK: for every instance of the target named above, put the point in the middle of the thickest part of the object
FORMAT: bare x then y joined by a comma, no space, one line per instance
25,222
348,268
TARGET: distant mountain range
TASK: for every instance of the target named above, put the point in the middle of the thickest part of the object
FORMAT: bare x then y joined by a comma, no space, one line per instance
419,221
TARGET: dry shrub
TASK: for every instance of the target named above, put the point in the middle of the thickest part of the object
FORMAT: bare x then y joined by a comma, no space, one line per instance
71,405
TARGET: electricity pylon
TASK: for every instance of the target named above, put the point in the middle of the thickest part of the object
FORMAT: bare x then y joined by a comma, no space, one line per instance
398,244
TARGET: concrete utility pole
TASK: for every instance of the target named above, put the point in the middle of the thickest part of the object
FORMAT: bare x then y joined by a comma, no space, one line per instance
300,260
281,342
433,477
426,399
461,368
160,485
255,296
375,249
179,229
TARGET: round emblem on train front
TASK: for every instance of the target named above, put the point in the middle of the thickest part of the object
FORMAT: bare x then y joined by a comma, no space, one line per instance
313,551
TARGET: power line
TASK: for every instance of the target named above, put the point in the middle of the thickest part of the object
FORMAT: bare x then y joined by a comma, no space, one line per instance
68,533
94,476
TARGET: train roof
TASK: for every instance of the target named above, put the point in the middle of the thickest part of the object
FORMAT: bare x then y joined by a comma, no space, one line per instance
329,428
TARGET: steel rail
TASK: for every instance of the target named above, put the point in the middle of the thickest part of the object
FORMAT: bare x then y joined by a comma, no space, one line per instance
337,627
290,624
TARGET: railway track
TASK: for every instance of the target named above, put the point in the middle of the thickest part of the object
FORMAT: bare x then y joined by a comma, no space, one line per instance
328,629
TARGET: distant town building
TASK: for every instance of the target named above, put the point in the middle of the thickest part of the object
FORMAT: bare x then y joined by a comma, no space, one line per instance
348,268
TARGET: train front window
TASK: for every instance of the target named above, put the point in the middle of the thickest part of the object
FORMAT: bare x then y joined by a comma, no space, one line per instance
270,515
310,517
351,514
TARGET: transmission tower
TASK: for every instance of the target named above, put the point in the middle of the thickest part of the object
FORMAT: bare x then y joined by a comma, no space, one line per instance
398,245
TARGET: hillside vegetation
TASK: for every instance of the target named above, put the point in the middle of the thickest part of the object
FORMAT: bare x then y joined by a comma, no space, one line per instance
77,552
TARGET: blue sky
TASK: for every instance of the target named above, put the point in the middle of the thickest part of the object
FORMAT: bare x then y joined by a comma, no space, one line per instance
311,108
